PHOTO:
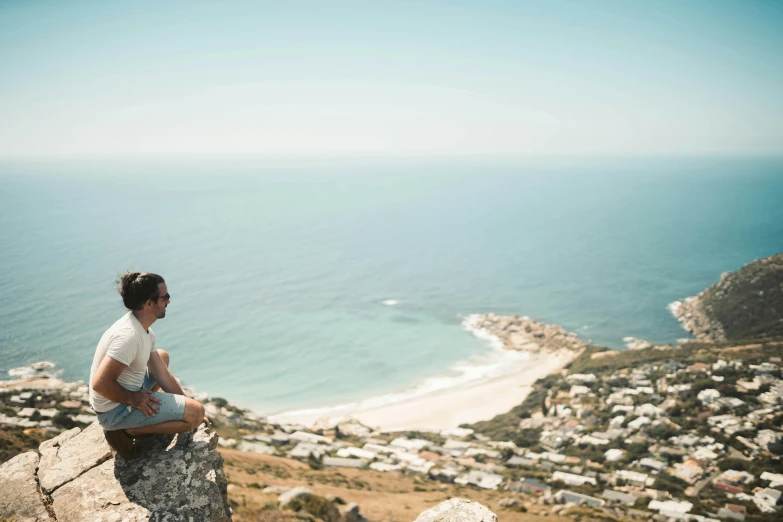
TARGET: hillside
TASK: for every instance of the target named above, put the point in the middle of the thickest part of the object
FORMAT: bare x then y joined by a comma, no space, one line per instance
746,304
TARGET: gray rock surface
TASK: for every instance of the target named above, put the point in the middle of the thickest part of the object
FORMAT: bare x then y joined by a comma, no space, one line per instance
292,494
350,513
20,497
524,333
70,454
175,478
96,495
457,510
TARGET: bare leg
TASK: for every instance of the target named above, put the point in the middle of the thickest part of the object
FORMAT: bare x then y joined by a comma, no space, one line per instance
194,415
169,427
165,356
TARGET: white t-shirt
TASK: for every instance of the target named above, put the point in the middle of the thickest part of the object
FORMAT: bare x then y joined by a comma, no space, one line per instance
127,342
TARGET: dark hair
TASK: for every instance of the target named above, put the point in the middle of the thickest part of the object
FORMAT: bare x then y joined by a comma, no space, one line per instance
137,288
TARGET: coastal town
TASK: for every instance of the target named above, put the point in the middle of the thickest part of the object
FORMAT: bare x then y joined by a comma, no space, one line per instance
687,432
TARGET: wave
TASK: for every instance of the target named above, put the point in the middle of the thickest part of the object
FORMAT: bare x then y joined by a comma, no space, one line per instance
476,370
634,343
32,370
389,302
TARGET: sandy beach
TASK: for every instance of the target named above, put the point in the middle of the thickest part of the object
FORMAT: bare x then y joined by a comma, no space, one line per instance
449,408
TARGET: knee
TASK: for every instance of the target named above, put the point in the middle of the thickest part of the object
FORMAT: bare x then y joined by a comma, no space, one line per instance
194,413
165,356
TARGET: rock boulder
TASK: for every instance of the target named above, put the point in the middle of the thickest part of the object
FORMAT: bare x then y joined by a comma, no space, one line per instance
20,498
175,478
458,510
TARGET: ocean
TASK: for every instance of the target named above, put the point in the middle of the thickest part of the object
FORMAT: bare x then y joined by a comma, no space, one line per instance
303,284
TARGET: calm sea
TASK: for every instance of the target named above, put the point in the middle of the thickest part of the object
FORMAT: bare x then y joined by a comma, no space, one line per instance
314,283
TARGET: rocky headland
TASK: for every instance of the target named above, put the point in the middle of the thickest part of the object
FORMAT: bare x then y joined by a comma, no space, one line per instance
745,304
524,334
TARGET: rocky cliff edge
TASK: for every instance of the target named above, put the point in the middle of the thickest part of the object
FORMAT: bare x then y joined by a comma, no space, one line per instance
73,477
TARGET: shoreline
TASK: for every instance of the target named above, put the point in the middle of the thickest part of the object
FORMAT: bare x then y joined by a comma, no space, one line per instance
549,348
449,408
689,312
522,351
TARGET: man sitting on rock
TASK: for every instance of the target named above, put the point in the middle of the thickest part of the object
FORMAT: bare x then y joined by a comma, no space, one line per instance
129,371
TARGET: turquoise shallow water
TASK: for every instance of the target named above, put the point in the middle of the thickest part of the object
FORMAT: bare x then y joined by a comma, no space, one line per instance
278,270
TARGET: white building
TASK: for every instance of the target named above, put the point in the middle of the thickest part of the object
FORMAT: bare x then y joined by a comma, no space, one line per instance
578,390
614,454
573,480
638,423
708,396
669,506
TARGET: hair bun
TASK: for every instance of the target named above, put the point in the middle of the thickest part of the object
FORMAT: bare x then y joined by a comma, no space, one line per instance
136,288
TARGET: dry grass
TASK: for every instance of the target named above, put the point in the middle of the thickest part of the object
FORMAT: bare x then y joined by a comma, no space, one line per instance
381,496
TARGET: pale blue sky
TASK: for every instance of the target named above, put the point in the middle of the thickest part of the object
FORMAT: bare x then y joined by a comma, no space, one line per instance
147,79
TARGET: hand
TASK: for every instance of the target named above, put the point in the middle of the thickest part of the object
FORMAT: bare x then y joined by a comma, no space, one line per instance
206,421
144,400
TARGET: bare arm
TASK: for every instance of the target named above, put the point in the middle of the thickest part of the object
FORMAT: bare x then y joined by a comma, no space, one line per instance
105,383
162,375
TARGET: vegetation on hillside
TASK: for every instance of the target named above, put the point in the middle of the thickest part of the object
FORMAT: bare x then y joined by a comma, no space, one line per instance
748,303
506,425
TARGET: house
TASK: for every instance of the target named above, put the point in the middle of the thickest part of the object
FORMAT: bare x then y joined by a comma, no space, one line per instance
410,444
312,438
456,432
720,365
732,476
618,497
581,377
767,500
569,497
728,488
514,462
617,421
385,466
749,386
726,512
699,367
441,474
656,494
573,480
531,486
614,454
578,390
420,467
430,455
638,422
648,410
590,439
480,479
730,402
704,454
360,453
764,367
708,396
766,437
634,478
652,464
775,479
668,507
342,462
304,450
689,471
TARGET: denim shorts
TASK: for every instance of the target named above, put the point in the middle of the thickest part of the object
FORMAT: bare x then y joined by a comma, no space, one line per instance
124,417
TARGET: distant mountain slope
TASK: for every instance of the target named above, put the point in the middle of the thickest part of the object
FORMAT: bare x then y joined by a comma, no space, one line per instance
746,304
